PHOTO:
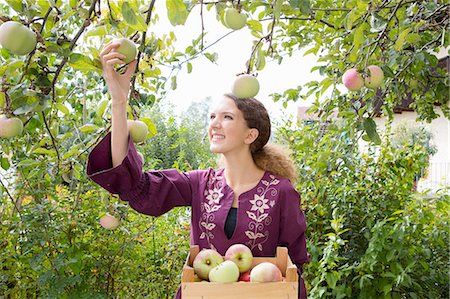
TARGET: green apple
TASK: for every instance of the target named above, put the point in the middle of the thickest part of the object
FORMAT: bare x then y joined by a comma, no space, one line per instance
206,260
17,38
234,19
353,80
245,86
138,130
10,127
127,48
225,272
374,77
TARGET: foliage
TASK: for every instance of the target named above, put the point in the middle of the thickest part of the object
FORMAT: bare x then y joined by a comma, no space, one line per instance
369,235
181,142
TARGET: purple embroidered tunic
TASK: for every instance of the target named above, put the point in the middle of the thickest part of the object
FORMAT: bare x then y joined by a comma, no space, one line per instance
268,215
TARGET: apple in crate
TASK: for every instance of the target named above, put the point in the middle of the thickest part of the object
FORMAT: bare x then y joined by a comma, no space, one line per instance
265,272
205,260
245,276
241,255
225,272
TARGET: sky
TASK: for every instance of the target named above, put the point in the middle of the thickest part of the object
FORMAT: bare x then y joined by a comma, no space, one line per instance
212,80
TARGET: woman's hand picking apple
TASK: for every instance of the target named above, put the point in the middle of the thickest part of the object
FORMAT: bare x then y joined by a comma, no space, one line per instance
118,84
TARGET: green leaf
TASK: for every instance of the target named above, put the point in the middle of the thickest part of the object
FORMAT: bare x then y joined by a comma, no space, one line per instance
305,7
101,107
88,128
176,12
4,163
371,129
151,127
277,9
99,30
82,62
44,151
189,67
135,20
401,39
16,5
212,57
173,82
61,107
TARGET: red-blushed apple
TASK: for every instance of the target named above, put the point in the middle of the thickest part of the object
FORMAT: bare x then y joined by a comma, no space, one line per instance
353,80
265,272
245,276
225,272
245,86
138,130
205,260
109,221
17,38
127,48
234,19
10,127
241,255
374,77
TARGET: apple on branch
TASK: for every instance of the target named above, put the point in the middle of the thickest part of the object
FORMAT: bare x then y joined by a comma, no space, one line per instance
353,80
245,86
234,19
265,272
138,130
206,260
10,127
241,255
225,272
374,77
17,38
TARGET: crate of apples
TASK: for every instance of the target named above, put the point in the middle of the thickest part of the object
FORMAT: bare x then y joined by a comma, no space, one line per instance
209,275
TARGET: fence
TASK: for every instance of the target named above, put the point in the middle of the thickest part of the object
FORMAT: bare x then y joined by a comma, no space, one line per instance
436,177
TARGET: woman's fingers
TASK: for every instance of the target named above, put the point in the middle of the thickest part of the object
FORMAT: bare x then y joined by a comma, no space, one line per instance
108,48
131,68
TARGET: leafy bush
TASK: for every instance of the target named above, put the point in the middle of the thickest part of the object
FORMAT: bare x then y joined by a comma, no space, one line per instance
369,235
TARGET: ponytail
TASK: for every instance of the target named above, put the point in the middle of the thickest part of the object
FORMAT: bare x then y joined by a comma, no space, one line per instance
276,159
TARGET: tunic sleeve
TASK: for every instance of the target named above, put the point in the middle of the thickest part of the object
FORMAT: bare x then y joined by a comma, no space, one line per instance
293,227
151,193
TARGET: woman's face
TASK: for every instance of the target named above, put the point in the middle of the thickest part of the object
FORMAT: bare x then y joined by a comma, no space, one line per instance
228,130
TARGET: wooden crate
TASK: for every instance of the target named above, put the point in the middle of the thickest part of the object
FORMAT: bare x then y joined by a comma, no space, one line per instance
286,289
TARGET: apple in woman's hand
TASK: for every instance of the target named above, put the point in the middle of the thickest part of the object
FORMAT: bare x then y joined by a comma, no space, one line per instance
241,255
127,48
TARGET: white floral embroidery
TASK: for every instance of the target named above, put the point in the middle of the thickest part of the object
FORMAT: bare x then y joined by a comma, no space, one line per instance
259,203
260,218
213,194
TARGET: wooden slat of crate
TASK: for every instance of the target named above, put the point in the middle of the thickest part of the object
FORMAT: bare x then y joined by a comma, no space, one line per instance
247,290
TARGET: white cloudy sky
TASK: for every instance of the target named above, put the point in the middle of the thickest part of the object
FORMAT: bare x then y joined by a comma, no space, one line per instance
209,79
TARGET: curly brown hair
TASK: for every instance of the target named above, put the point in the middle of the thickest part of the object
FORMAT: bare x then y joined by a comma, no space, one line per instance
267,156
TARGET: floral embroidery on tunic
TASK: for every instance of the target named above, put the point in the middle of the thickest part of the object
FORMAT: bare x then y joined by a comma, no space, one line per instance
213,194
258,214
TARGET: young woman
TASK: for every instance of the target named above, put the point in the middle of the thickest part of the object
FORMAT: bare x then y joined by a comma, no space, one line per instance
249,200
